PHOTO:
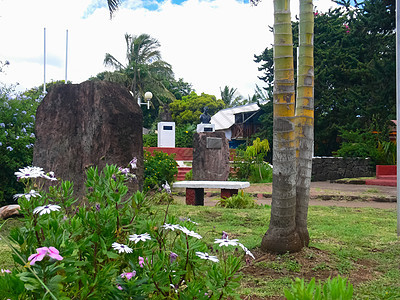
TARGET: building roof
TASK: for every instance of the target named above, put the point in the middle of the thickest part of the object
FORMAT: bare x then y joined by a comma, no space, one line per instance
225,118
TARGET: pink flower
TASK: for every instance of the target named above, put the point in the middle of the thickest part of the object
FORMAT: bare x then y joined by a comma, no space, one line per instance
42,252
141,261
5,271
128,275
54,253
119,287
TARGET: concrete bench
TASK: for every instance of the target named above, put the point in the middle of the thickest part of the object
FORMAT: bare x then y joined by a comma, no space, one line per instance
195,189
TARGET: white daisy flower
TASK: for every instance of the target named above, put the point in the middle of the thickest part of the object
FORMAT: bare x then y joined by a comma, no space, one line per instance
139,237
204,255
247,251
50,176
226,242
190,233
133,163
46,209
32,193
29,172
166,187
124,171
121,248
171,226
188,220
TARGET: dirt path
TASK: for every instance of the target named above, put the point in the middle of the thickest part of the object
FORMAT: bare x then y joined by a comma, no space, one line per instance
322,193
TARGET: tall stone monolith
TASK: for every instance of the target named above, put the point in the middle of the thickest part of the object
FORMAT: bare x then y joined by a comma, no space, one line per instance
89,124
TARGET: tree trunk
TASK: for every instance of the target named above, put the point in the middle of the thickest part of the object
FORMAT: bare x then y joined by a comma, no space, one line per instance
282,235
304,117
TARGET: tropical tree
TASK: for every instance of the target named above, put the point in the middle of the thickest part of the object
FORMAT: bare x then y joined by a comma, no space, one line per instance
293,131
281,235
354,70
189,109
144,71
228,95
304,120
178,88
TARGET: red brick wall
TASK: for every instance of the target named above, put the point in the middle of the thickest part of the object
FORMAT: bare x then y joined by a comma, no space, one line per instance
180,153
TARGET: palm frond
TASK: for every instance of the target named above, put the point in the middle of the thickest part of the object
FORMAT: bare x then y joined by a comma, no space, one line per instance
111,61
113,6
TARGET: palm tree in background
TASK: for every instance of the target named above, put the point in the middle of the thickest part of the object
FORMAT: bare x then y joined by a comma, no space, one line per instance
144,71
228,95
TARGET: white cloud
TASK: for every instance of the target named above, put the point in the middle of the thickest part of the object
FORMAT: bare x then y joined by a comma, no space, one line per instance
208,43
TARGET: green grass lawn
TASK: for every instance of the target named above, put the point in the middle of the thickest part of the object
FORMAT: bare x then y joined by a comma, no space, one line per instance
358,243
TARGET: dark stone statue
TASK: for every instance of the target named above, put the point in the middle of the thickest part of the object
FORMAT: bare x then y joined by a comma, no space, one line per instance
205,118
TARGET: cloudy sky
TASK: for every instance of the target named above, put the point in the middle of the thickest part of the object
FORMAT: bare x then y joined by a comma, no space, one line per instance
209,43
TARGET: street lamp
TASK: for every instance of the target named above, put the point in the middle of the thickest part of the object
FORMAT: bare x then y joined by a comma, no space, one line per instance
147,98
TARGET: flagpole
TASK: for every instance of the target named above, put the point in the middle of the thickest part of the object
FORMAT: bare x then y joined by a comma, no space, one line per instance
398,110
44,61
66,56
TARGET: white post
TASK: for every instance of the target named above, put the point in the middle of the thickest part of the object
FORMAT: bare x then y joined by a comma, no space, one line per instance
398,110
44,62
66,57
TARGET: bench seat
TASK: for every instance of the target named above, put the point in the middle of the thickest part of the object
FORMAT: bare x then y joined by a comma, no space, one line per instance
195,189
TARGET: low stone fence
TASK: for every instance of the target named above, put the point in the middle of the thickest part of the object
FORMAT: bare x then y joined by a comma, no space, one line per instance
331,168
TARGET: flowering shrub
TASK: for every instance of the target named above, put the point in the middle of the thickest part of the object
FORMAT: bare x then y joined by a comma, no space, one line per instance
17,118
158,168
184,135
111,247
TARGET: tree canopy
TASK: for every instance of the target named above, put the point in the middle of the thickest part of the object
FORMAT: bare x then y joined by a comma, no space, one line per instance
189,109
354,53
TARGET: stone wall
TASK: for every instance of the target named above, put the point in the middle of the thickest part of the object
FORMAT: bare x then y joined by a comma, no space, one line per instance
331,168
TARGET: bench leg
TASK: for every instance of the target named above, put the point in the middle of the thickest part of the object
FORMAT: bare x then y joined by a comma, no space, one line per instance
195,196
226,193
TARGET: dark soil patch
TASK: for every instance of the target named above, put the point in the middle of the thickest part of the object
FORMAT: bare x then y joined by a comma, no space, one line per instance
308,263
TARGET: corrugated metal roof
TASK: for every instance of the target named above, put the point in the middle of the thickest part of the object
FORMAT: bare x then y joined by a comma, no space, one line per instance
225,118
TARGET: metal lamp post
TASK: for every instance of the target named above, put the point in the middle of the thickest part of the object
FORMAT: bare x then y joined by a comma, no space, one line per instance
147,98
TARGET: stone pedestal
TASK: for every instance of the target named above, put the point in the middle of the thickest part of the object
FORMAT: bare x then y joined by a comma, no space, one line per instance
205,127
210,156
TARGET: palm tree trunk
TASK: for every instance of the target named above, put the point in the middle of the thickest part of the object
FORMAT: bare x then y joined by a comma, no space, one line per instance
304,117
281,235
